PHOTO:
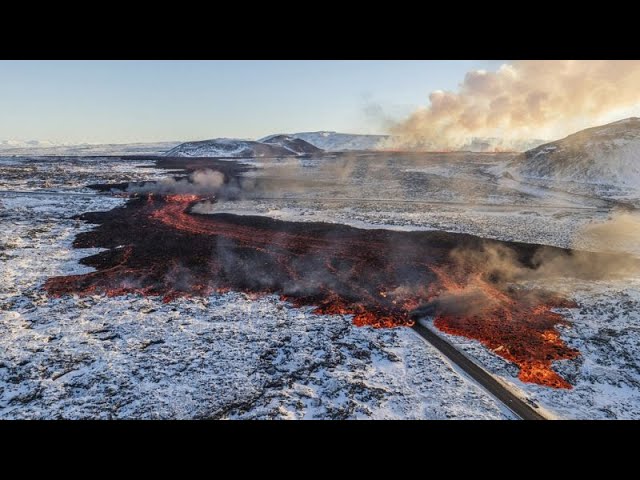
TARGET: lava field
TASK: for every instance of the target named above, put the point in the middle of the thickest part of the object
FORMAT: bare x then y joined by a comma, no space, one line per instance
156,246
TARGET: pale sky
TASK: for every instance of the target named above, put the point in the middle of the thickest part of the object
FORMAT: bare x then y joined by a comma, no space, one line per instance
139,101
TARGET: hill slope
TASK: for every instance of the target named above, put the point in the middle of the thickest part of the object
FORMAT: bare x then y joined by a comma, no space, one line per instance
608,154
280,145
336,142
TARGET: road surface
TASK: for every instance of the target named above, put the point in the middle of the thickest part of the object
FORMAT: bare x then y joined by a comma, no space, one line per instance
499,391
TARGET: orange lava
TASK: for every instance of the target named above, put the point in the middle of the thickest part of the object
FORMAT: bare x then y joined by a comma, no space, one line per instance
378,276
522,332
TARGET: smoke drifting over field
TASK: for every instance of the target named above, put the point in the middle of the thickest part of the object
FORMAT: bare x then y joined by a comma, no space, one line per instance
522,100
275,180
620,233
501,265
200,182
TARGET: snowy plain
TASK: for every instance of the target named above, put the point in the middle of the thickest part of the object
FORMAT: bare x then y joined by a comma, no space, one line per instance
234,356
471,194
224,356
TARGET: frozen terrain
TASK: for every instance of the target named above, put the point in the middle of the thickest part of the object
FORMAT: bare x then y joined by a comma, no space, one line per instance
608,154
469,193
233,356
225,356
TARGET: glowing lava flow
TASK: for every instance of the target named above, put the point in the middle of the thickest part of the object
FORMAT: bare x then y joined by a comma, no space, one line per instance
378,276
517,330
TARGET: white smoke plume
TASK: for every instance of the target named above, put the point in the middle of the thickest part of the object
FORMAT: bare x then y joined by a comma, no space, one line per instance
620,233
523,100
199,182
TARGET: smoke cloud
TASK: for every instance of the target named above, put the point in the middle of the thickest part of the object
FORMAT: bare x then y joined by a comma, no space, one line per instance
201,182
471,300
612,242
620,233
278,180
523,100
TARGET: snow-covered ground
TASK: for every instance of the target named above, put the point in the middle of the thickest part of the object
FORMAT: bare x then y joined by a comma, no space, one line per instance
224,356
457,193
71,174
461,195
232,356
605,328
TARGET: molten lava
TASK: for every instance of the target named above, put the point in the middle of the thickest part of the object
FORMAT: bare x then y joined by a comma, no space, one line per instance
513,327
156,247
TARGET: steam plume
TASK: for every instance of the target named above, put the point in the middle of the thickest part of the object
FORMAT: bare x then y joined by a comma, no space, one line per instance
523,100
199,182
500,264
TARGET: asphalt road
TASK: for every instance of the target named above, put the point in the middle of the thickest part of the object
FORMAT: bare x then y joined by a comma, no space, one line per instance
520,408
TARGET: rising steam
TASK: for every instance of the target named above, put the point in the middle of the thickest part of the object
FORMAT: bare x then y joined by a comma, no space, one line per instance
201,182
617,236
522,100
620,233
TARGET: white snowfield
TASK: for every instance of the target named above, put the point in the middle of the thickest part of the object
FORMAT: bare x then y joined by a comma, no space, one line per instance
234,356
224,356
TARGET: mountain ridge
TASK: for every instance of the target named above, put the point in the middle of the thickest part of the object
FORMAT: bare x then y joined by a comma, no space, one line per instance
274,146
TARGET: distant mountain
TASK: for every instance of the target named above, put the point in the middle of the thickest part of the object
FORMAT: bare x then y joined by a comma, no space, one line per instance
35,147
273,146
295,144
337,142
608,154
12,144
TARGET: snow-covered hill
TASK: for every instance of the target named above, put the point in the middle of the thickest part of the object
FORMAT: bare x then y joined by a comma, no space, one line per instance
336,142
608,154
296,145
274,146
